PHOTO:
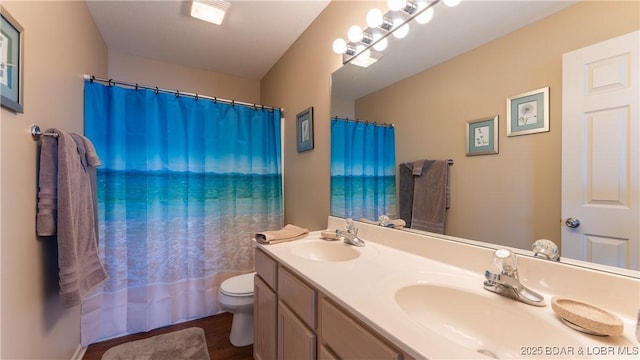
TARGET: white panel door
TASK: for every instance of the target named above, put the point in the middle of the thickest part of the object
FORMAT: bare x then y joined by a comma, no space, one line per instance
600,153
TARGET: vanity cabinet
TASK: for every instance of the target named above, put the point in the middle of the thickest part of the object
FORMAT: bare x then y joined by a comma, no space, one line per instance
295,321
295,340
284,313
343,337
265,308
296,317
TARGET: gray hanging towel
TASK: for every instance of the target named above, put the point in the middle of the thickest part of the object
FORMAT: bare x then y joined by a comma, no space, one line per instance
405,192
430,196
66,167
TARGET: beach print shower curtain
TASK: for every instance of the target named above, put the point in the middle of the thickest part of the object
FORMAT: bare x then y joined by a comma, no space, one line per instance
184,184
363,157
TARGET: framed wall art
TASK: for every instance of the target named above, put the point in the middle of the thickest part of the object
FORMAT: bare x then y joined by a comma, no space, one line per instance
305,130
528,113
11,60
482,136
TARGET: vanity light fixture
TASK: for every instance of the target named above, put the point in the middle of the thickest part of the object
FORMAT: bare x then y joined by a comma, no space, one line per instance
212,11
364,46
452,3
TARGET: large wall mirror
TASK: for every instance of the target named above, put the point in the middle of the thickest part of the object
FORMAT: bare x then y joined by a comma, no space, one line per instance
463,66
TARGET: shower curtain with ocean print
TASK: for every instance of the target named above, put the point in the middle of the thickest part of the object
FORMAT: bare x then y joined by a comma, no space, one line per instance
184,185
363,157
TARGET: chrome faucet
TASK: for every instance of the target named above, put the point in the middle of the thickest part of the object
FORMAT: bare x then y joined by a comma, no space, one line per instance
506,283
350,234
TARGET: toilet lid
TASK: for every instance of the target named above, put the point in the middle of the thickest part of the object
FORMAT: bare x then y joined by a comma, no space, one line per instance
241,285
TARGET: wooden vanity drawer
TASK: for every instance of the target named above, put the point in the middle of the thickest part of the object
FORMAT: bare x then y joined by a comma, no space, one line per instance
350,340
300,297
267,268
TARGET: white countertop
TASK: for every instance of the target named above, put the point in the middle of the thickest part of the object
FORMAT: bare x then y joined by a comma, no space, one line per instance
367,286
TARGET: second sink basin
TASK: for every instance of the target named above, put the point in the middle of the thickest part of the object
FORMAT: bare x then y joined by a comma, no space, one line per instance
323,250
490,325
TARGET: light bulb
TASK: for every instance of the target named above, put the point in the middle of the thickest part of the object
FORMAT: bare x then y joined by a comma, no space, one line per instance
426,15
374,18
395,5
380,45
400,31
452,3
339,46
355,33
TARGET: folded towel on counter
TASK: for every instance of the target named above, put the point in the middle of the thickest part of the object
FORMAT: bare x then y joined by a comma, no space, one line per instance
393,223
287,233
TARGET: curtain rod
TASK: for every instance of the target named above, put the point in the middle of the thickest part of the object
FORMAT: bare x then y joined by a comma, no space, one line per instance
197,96
363,121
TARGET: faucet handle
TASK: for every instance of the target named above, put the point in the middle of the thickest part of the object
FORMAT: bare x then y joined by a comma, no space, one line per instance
506,261
546,249
349,225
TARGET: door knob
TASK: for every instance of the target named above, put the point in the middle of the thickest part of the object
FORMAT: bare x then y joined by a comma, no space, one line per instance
572,223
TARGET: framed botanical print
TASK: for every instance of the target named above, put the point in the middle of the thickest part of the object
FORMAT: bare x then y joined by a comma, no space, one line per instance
528,113
482,136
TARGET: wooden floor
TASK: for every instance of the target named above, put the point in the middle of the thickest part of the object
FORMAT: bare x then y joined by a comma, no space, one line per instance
216,328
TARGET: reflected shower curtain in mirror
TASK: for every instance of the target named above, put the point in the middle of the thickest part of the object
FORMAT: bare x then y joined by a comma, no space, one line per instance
363,161
184,185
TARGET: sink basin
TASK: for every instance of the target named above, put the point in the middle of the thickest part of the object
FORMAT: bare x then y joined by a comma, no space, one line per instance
490,325
323,250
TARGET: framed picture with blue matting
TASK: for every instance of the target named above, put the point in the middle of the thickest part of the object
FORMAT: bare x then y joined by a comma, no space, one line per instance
11,60
482,136
528,113
305,130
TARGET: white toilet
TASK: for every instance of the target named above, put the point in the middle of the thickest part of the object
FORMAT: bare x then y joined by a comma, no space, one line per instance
236,296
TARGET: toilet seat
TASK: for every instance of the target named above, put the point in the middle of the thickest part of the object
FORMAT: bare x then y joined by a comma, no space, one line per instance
241,285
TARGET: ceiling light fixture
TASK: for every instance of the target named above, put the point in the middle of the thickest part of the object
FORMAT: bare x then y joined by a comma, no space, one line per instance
364,47
212,11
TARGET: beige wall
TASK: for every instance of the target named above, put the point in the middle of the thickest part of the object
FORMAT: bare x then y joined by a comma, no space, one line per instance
61,43
512,198
135,69
300,79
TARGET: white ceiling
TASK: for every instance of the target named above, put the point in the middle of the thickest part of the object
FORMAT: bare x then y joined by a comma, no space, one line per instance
253,36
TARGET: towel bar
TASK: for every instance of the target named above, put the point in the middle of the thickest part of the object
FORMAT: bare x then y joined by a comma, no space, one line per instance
36,133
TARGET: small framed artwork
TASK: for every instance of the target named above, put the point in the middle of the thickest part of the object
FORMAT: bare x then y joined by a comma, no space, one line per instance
482,136
11,60
528,113
305,130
